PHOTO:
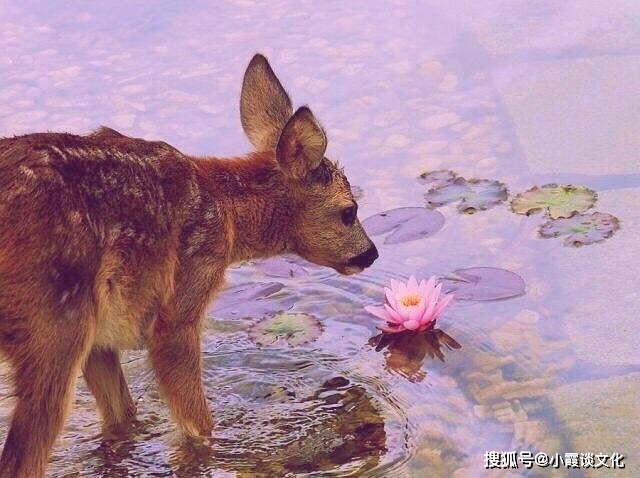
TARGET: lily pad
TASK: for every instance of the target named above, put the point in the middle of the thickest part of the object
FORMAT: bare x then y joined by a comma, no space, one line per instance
281,266
407,224
251,300
438,178
446,193
295,329
482,195
558,201
581,229
474,194
483,283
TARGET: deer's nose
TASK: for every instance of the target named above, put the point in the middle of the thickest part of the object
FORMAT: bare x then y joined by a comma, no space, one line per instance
365,259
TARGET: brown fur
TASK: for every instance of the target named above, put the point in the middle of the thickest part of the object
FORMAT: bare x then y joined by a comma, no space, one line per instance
109,242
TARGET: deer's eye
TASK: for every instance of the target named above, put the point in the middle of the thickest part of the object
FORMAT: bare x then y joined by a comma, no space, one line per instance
349,215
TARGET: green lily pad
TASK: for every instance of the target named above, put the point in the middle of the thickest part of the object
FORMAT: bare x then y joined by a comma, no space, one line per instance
581,229
558,201
438,178
295,329
482,194
446,193
474,194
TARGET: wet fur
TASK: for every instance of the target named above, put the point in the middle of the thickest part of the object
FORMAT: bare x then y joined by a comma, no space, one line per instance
109,242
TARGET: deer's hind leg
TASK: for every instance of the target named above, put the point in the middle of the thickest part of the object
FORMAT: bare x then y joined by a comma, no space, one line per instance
45,366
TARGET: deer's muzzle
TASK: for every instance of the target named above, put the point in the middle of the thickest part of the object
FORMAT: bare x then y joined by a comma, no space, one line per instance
365,259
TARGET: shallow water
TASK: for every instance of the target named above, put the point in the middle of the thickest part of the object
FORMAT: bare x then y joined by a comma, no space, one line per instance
523,92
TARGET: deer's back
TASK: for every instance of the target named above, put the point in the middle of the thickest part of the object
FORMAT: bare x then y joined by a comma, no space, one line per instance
73,206
111,185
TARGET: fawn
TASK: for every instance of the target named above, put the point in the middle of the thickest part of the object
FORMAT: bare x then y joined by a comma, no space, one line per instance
109,242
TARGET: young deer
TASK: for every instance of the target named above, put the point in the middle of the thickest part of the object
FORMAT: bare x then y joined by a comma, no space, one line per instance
109,242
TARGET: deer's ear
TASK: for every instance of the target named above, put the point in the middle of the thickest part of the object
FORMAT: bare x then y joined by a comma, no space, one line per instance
301,145
264,105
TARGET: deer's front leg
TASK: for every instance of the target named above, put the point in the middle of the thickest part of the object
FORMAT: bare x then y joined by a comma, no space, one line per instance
175,357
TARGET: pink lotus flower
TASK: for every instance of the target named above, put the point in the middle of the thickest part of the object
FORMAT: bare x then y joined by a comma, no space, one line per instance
411,306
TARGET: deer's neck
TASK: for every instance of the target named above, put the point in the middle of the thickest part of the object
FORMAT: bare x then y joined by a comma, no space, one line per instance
256,209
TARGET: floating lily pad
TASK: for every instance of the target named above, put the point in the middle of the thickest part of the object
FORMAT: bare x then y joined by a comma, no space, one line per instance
251,300
482,194
581,229
295,329
474,194
446,193
281,266
438,178
483,283
407,224
558,201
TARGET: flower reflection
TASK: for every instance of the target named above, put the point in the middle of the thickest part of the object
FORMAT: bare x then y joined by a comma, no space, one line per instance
406,352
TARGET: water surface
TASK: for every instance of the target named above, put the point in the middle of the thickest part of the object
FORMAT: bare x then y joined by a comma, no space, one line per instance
523,92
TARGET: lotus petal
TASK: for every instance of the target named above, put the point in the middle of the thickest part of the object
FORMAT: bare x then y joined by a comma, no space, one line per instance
411,306
379,312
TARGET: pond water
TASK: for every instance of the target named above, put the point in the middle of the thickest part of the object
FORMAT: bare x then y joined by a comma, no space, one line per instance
526,93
